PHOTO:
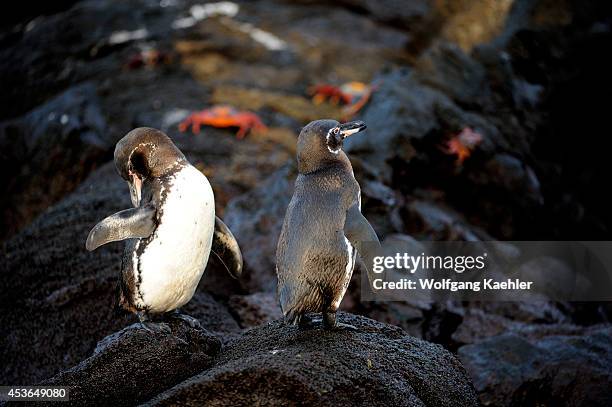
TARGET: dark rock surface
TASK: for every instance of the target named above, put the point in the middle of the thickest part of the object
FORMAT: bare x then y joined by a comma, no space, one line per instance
49,151
567,369
254,309
130,366
376,365
257,218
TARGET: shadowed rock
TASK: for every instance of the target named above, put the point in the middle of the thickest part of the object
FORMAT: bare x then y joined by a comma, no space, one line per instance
255,309
568,369
378,364
49,150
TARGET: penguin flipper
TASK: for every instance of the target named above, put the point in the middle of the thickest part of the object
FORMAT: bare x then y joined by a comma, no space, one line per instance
358,231
130,223
226,248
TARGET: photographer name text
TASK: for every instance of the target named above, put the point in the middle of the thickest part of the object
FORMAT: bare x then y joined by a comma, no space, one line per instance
404,263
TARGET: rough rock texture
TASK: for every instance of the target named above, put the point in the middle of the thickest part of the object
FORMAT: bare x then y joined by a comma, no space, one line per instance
132,365
376,365
568,369
49,151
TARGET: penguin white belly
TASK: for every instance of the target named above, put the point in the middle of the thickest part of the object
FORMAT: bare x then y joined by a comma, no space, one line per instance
174,260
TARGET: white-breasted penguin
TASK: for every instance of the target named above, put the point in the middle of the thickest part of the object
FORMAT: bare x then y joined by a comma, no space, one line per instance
323,226
170,231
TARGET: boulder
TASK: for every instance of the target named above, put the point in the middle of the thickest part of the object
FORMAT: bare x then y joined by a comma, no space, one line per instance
132,365
570,369
377,365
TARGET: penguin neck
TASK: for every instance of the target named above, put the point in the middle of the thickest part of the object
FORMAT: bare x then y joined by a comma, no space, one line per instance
309,164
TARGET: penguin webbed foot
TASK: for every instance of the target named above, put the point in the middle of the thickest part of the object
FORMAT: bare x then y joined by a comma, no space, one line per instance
193,322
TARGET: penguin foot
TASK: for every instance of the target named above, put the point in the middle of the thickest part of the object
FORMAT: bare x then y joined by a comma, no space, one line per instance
156,327
193,322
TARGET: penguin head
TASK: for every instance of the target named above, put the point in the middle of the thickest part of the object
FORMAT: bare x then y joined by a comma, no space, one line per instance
142,154
320,142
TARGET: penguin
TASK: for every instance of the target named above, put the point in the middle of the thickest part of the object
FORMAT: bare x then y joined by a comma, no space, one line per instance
323,228
169,232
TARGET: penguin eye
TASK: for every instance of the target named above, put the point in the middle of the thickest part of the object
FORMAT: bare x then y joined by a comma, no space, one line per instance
336,130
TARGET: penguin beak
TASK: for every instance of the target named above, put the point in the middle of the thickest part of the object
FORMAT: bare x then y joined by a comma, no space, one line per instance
350,128
135,184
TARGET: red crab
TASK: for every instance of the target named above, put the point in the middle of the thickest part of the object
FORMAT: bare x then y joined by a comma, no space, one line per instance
354,95
463,144
223,116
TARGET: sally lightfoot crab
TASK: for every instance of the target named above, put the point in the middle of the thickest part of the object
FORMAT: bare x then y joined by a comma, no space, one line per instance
224,116
354,95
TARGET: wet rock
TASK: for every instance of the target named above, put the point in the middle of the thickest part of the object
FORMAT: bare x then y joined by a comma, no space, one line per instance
255,309
256,219
386,367
62,303
49,150
560,369
132,365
